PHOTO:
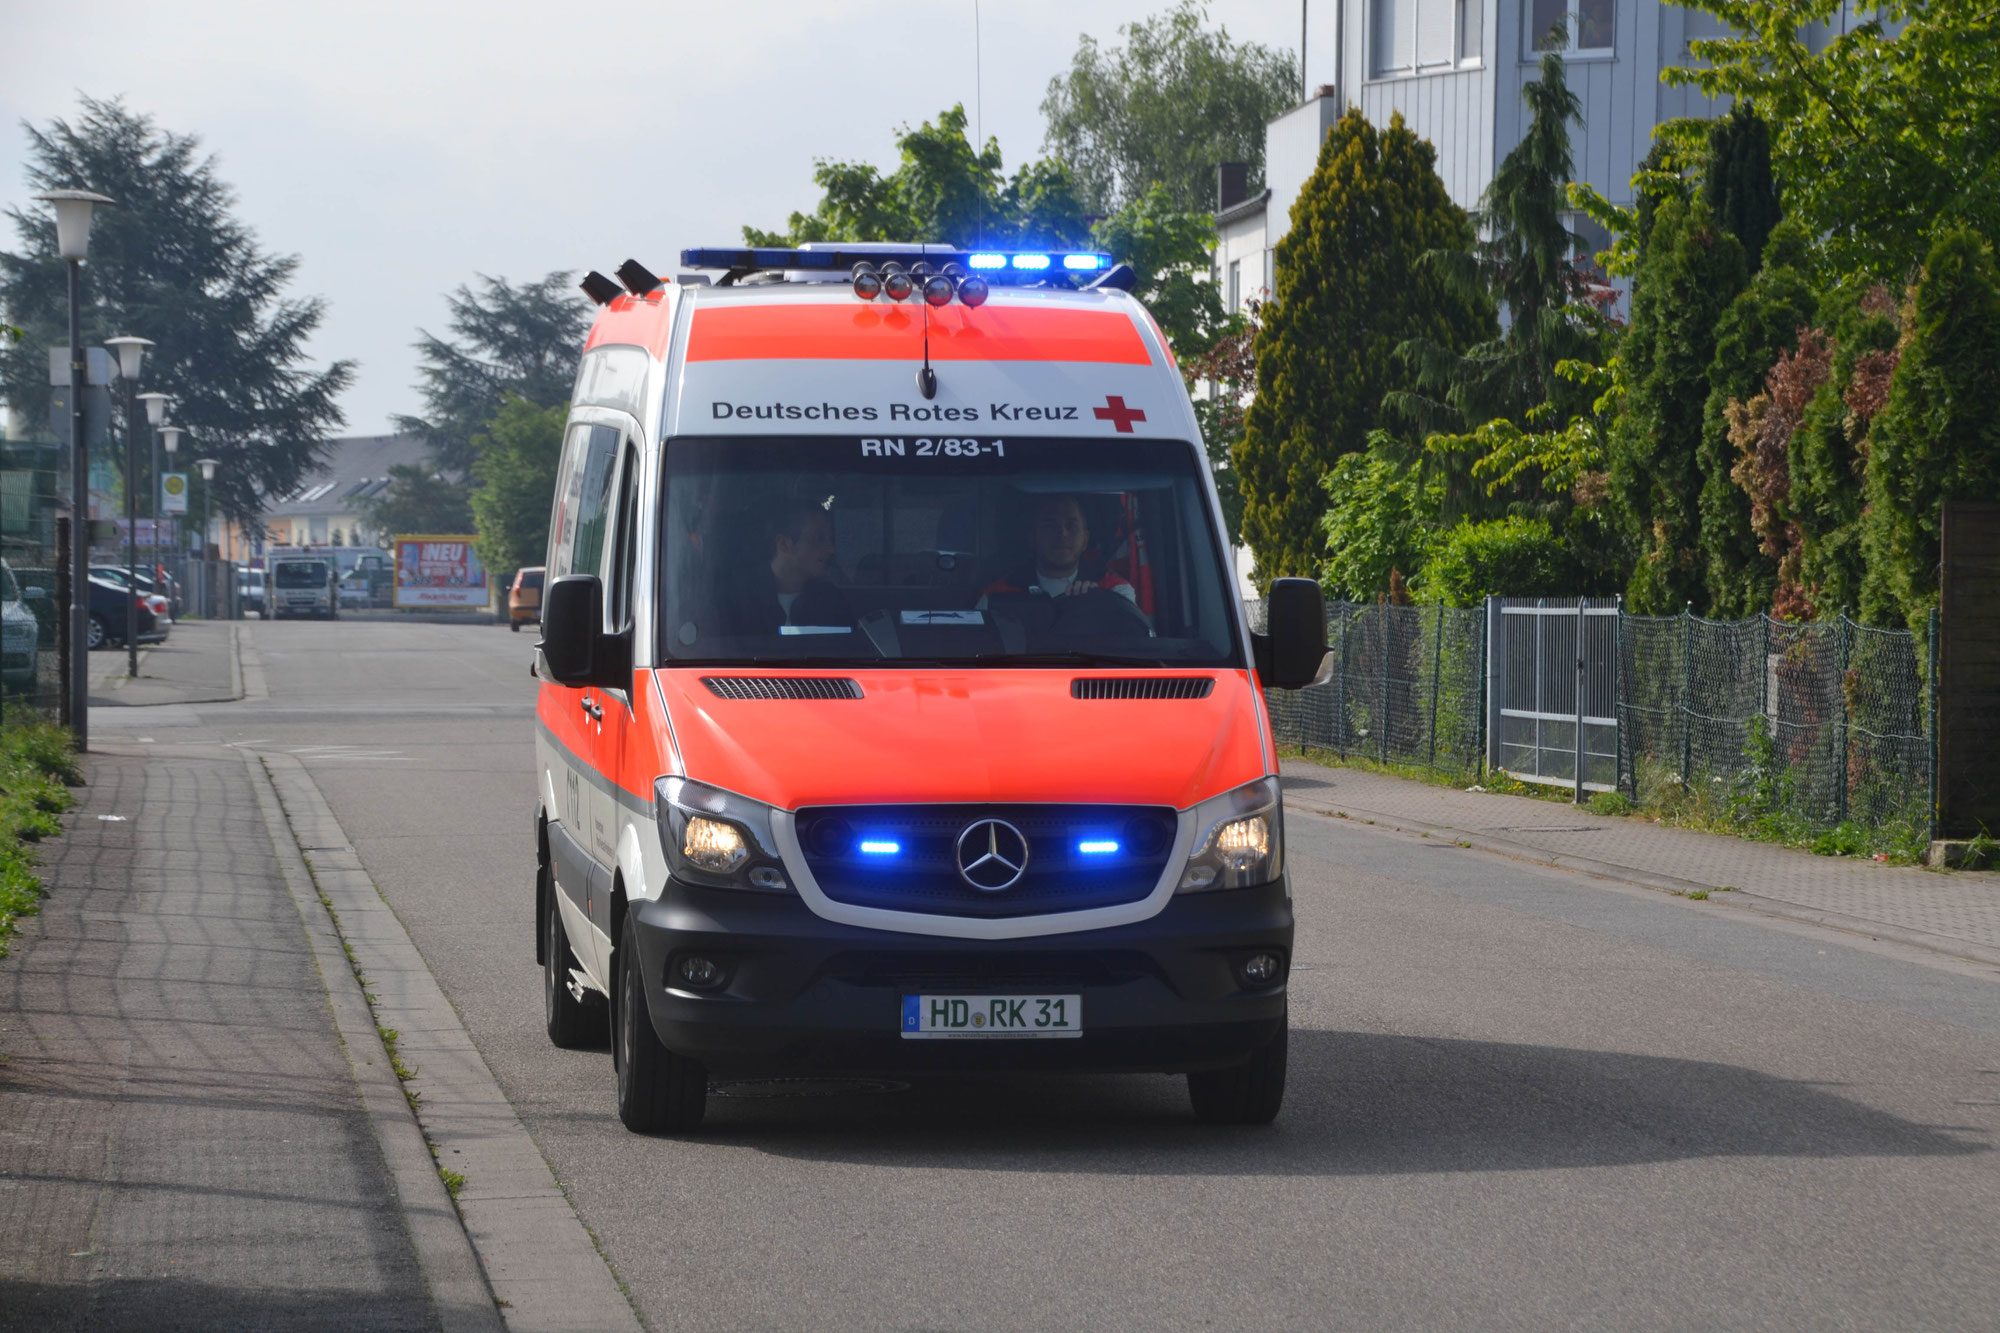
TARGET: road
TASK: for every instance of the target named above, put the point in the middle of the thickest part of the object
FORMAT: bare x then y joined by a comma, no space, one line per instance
1519,1097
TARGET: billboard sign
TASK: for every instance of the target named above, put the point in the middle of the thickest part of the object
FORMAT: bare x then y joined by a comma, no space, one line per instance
438,571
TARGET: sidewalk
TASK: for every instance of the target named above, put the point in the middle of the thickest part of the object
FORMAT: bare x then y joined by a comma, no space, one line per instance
1955,912
181,1140
196,664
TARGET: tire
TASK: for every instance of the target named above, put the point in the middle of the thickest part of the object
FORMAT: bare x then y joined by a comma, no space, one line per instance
658,1092
100,634
1245,1094
573,1024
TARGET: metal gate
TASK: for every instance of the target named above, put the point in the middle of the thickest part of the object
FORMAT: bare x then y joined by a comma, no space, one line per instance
1552,690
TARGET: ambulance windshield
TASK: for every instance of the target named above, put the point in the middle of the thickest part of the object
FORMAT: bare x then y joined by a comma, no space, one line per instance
976,552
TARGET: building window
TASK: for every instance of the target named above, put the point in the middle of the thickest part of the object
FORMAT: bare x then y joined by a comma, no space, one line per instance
1421,36
1235,285
1591,25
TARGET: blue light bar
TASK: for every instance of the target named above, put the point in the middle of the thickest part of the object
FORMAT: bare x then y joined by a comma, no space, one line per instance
835,259
880,847
1083,263
1031,261
984,261
1097,847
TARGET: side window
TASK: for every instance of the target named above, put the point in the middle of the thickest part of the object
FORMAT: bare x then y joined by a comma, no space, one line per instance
585,502
618,598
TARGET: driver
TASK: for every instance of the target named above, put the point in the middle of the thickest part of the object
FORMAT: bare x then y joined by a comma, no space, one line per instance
792,588
1058,536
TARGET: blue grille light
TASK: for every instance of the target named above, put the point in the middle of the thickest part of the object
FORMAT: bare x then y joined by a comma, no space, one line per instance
987,261
1086,263
1097,847
880,847
1031,261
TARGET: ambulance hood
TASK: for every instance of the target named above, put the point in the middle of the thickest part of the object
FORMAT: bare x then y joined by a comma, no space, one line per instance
982,735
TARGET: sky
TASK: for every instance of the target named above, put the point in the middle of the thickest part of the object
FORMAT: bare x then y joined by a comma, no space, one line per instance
401,149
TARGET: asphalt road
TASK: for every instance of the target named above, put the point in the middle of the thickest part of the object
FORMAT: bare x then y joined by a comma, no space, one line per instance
1519,1097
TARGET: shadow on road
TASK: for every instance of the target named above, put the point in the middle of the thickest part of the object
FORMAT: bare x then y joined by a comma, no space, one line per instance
1359,1104
157,1303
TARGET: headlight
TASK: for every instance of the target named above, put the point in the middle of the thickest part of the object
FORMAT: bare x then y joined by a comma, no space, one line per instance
716,837
1241,841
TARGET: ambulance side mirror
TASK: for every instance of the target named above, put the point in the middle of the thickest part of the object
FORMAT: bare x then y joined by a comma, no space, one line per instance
1291,655
574,648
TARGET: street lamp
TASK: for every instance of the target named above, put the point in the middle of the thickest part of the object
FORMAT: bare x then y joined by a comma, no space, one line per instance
73,211
156,416
131,360
207,466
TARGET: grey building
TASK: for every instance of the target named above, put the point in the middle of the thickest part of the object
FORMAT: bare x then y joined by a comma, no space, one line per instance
325,508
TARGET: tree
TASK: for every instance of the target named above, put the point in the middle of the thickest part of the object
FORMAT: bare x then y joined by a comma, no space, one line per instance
1165,109
520,341
1221,382
1377,526
1830,448
516,471
1350,290
1170,252
418,498
1524,262
1938,436
171,263
1690,271
1761,325
943,191
1880,142
1737,182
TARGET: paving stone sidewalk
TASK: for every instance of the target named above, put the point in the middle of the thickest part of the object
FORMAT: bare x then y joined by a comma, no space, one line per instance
181,1142
195,664
1956,911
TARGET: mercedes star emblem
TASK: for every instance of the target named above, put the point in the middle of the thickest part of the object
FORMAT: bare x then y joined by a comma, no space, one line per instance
992,855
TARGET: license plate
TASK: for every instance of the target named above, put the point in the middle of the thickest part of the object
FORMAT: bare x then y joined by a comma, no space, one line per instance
935,1016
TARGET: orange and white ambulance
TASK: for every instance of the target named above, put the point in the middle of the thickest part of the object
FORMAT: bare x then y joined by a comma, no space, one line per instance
897,710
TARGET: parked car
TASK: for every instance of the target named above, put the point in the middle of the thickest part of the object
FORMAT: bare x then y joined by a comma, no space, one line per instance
158,602
20,633
524,598
38,593
304,586
250,590
108,601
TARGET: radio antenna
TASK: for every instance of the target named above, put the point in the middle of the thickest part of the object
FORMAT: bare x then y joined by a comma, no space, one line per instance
926,378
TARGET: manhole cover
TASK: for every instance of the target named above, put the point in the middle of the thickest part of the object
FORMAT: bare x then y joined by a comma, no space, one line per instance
803,1087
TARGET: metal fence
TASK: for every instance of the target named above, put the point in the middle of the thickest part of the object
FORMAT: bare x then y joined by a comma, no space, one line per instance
1816,723
33,587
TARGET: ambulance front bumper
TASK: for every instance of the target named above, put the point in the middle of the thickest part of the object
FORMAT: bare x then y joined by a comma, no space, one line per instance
800,994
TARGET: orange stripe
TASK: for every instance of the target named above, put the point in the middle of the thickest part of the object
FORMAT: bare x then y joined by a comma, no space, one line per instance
645,321
857,332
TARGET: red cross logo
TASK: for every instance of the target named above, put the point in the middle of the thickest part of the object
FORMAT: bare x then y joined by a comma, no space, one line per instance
1119,415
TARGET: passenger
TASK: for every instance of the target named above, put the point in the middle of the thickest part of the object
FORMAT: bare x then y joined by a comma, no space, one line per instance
1058,537
791,588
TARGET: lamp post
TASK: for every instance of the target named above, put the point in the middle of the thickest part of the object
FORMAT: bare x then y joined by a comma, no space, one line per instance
156,416
131,360
73,209
207,466
170,439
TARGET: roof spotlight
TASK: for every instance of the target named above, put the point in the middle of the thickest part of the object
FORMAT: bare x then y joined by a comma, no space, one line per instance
897,283
973,291
937,290
954,270
867,282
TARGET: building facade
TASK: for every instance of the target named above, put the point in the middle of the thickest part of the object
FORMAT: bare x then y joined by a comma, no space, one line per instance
326,508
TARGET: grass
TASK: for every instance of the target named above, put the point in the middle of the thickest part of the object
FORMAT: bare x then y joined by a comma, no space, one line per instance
453,1182
37,768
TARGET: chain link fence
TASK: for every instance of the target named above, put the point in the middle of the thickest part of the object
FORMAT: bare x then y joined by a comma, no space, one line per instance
1813,724
31,583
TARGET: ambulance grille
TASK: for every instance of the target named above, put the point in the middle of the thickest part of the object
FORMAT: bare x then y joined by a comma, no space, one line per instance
1141,687
782,687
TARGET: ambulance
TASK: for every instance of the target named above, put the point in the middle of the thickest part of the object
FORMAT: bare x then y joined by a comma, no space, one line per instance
897,712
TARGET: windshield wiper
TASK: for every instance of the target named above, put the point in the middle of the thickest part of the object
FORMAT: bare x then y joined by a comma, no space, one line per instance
1072,658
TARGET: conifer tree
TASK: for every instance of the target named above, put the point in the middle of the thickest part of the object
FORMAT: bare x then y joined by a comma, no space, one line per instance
1761,324
1938,436
1830,448
1738,184
1691,271
172,263
1350,289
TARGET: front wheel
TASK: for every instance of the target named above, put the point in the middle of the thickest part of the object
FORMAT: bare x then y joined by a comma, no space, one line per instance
100,636
1245,1094
658,1091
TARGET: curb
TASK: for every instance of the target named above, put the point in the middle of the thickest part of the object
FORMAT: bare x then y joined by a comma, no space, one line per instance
543,1266
1963,950
459,1295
